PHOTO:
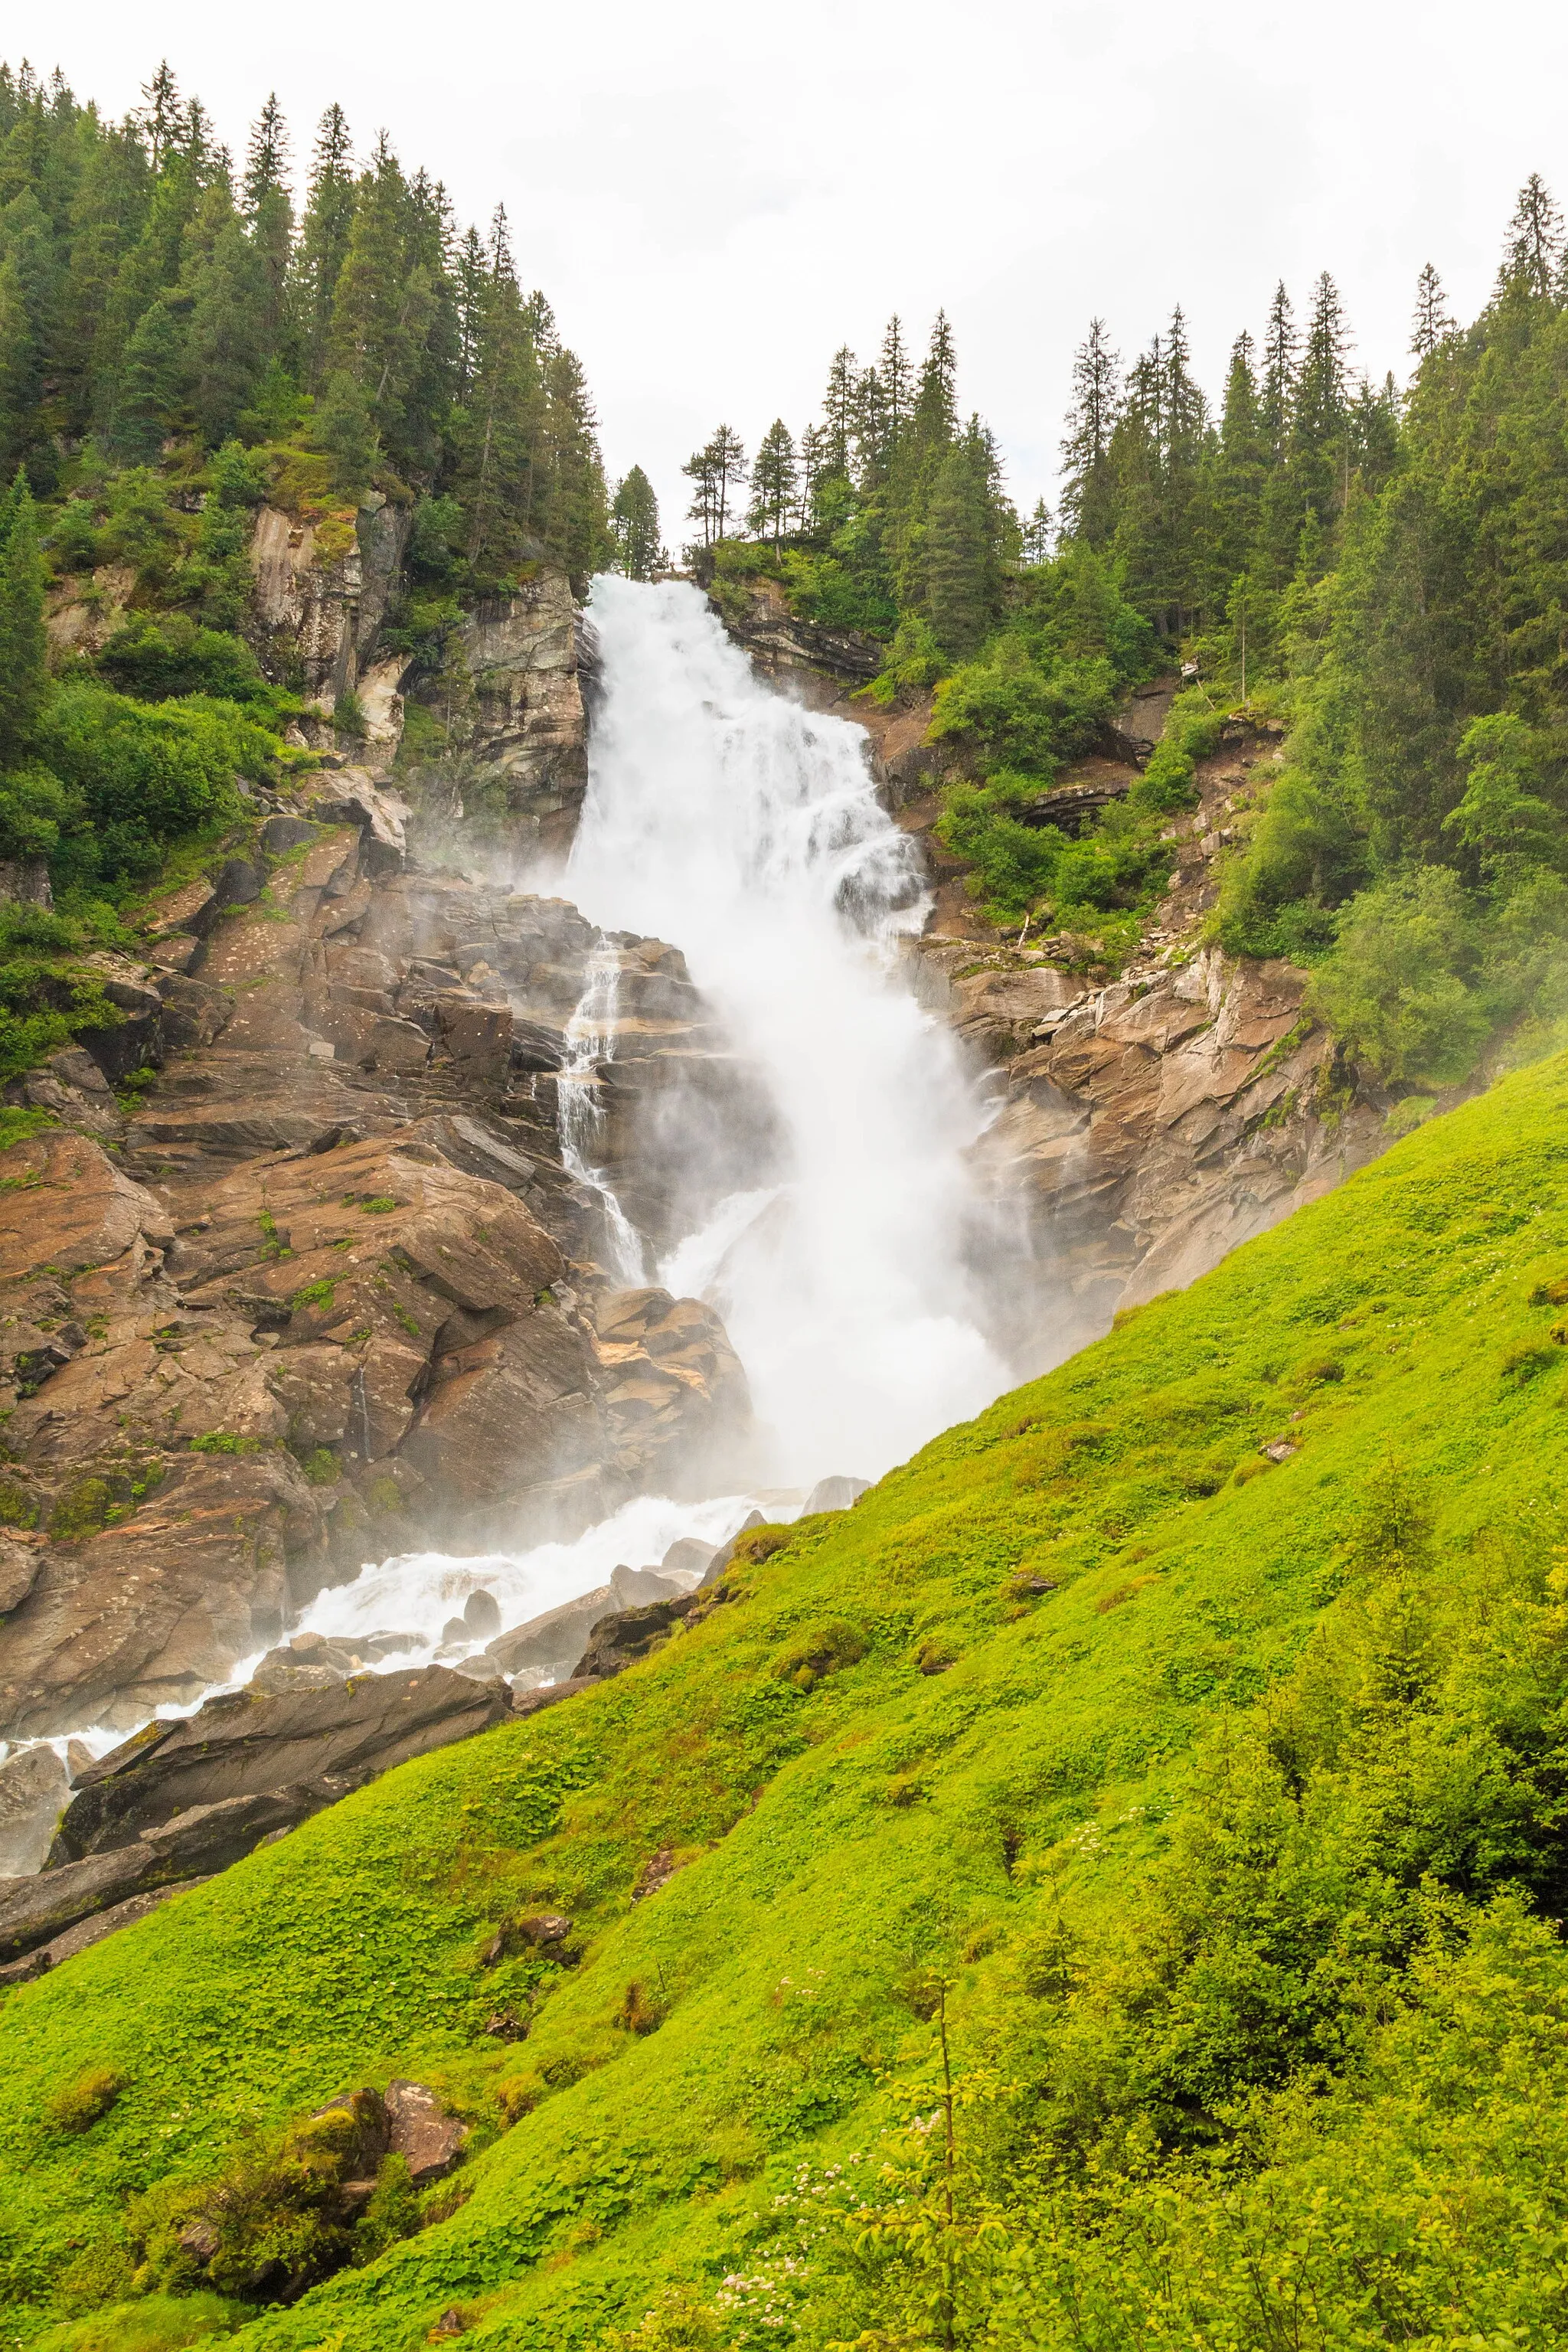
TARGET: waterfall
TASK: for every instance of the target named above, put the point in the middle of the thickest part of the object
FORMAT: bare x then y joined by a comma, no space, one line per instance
745,830
579,1114
724,818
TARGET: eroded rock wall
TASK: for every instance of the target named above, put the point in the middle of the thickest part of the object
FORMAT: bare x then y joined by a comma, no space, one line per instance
325,1290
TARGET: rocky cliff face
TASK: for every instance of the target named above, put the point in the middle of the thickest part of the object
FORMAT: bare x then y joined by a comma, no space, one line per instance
324,1288
523,654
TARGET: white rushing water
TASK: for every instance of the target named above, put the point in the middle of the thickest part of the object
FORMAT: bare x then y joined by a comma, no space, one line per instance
723,817
727,820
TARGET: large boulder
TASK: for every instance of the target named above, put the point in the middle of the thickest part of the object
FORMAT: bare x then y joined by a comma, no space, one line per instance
619,1641
329,1741
34,1911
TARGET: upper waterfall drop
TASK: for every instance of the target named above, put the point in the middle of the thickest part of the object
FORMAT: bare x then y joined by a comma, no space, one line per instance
731,821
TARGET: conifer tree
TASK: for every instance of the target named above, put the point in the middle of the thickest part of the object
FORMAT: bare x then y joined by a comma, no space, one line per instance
1087,493
935,418
471,276
1319,441
774,484
1037,534
634,528
1433,324
897,377
700,472
24,675
1533,250
497,475
383,305
810,475
728,459
324,239
161,115
961,570
270,213
150,380
839,414
1282,341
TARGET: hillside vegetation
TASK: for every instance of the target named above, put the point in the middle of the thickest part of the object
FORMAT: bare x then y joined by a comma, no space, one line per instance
1100,1891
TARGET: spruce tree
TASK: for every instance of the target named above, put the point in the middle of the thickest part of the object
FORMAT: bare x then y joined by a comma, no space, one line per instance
897,376
324,239
161,115
774,485
727,466
1087,493
226,338
839,408
634,528
1533,250
1432,323
1319,437
270,214
1037,534
150,381
962,581
810,475
24,673
500,468
700,472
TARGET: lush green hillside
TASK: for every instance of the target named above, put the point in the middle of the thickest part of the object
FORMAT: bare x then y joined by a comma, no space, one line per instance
1225,1859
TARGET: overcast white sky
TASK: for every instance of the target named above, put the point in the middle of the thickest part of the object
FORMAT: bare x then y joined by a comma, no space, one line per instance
715,197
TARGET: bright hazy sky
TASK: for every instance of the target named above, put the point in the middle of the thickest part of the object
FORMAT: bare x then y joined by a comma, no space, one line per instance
714,197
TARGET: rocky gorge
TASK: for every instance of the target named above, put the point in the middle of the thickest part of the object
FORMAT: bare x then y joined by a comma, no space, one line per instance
325,1282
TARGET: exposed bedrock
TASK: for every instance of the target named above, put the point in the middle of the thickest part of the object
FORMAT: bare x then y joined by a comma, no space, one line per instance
335,1294
1147,1128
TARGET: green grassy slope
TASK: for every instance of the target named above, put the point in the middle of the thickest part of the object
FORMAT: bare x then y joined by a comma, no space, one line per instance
1188,1838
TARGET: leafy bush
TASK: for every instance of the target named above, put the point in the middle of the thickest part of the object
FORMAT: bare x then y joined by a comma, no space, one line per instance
156,658
1306,856
1020,868
1403,985
35,810
915,661
145,774
1013,714
152,2323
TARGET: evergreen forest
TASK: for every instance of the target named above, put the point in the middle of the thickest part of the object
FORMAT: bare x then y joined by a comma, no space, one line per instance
185,336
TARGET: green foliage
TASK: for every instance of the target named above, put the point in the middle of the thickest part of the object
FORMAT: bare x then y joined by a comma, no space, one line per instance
146,774
634,527
153,2322
1229,1899
157,659
1191,733
1024,867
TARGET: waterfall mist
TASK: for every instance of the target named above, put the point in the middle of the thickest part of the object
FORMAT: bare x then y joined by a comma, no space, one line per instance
730,820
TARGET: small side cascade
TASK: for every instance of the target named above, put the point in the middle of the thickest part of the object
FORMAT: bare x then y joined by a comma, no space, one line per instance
580,1113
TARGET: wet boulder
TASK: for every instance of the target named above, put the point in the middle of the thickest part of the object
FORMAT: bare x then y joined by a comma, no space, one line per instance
621,1640
325,1741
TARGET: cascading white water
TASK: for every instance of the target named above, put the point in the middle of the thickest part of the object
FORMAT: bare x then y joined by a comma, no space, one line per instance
725,818
579,1118
745,830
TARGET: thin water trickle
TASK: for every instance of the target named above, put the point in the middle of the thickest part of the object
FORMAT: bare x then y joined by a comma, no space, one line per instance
591,1036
